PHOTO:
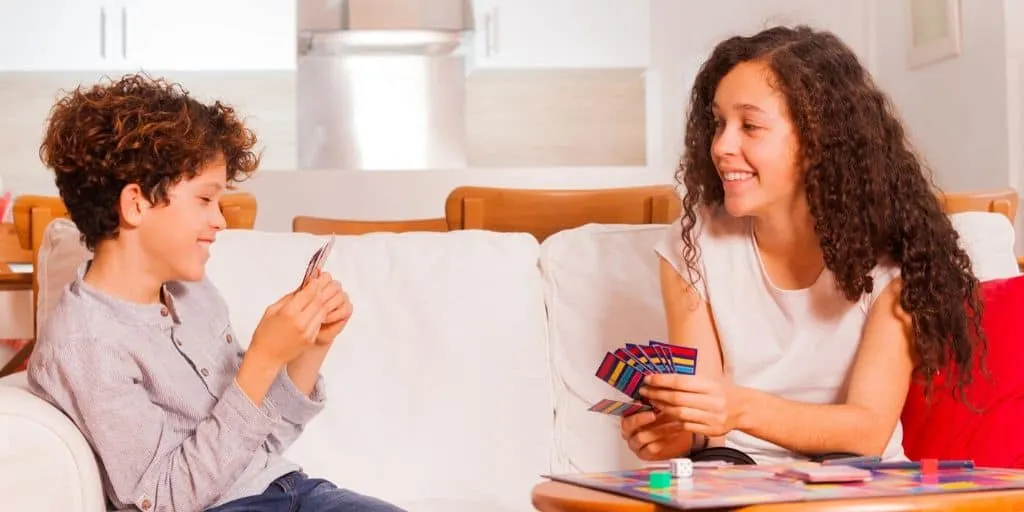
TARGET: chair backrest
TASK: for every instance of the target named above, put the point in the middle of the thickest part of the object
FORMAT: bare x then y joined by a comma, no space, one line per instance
545,212
325,226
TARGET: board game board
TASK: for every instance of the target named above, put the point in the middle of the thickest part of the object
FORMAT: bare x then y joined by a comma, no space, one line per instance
732,486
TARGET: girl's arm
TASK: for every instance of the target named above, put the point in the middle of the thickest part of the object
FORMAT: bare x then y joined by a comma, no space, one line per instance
690,323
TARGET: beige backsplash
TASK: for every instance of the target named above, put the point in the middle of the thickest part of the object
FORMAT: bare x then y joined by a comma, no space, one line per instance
555,118
514,118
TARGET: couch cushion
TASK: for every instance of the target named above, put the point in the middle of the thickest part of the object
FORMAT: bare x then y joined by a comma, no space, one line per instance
60,254
601,289
441,381
947,428
439,389
989,239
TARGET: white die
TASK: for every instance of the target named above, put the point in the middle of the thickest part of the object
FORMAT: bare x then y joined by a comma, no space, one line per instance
682,468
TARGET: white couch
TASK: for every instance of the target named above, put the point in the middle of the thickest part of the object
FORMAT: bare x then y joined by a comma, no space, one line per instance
463,376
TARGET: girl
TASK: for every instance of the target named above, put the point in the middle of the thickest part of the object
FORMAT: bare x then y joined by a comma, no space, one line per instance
813,267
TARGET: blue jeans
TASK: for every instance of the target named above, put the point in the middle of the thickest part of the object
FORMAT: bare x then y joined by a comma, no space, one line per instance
296,492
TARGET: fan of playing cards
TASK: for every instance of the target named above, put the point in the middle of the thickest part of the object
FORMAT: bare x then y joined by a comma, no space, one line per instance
624,369
316,263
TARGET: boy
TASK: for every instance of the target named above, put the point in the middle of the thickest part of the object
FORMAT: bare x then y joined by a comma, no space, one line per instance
139,351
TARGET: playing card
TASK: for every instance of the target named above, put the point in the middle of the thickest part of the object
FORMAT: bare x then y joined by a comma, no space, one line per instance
620,375
635,363
625,368
316,263
656,359
682,359
641,355
816,473
617,408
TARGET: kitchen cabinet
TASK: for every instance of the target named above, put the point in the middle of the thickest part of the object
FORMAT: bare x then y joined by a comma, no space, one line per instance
201,35
560,34
151,35
38,35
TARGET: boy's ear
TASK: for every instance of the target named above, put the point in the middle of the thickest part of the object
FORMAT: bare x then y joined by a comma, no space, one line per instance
133,204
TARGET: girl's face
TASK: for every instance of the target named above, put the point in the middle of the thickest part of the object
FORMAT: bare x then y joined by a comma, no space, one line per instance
755,147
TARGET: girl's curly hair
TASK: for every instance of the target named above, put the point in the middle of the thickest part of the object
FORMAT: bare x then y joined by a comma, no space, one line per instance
136,130
866,188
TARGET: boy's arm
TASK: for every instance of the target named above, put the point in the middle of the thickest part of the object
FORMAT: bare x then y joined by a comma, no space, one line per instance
149,467
298,393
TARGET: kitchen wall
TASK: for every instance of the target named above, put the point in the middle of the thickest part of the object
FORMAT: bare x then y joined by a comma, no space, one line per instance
963,114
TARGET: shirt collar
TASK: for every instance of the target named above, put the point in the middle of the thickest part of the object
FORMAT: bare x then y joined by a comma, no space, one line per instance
163,315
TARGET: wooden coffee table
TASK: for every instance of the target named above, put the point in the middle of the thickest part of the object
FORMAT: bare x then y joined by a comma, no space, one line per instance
560,497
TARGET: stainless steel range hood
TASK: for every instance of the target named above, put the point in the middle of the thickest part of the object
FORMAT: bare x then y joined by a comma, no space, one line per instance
330,15
381,84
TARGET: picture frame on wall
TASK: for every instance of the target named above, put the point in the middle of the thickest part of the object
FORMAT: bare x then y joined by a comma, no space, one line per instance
934,31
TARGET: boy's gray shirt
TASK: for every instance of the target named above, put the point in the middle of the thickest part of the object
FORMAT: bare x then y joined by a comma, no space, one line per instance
152,388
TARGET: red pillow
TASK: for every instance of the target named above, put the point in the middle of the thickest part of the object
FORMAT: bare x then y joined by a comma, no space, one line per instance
949,429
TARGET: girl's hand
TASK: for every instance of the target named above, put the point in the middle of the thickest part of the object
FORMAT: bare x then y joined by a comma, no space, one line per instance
702,405
652,436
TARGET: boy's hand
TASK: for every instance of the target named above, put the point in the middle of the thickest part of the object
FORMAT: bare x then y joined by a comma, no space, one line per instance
291,325
339,310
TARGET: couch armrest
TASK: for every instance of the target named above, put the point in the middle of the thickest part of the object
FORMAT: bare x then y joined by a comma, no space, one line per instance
45,462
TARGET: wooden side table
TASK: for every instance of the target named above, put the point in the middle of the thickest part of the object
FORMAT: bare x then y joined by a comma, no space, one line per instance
15,282
561,497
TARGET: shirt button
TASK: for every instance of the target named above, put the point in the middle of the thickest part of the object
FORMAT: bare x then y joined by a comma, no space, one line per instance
146,504
164,312
229,338
205,372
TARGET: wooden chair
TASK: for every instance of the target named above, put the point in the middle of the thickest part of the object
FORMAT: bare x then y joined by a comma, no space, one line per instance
325,226
1004,201
538,212
12,253
32,214
545,212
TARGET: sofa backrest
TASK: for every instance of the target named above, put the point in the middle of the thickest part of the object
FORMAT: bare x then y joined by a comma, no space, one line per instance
440,382
601,289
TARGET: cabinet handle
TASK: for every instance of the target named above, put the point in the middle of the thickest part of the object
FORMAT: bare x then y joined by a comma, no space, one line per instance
103,33
124,33
488,28
494,23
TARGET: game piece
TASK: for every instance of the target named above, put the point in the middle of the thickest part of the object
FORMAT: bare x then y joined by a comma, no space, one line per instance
929,466
660,480
852,461
682,468
617,408
735,486
908,465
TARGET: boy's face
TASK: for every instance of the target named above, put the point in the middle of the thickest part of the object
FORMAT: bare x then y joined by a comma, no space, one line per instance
177,236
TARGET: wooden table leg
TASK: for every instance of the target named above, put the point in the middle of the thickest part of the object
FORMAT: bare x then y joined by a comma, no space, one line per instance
20,357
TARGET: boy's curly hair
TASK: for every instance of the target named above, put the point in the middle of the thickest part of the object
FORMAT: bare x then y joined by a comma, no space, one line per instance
867,190
136,130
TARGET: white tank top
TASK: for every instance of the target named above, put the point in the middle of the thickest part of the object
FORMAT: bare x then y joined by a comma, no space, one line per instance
797,344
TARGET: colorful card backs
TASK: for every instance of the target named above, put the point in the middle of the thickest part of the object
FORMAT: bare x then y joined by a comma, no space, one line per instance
617,408
620,375
625,368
